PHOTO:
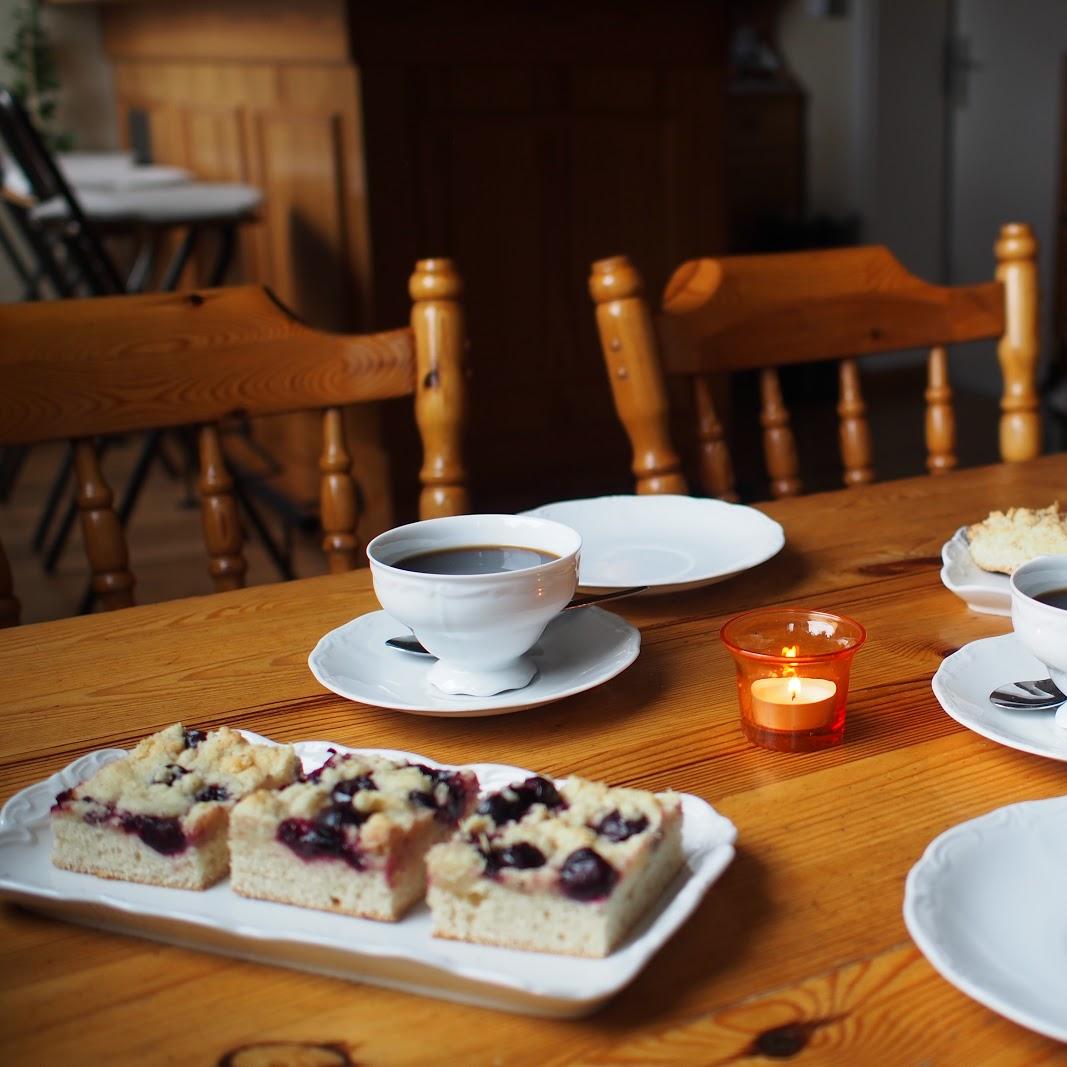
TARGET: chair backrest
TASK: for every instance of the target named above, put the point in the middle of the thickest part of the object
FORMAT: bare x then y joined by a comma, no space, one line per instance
79,369
85,250
765,311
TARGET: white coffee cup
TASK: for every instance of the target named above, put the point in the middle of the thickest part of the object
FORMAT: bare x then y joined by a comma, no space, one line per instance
479,626
1041,628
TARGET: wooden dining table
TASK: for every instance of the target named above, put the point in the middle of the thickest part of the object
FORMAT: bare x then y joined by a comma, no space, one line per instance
798,950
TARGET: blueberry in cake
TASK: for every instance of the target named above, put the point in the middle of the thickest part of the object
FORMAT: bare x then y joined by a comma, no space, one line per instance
161,814
565,870
350,838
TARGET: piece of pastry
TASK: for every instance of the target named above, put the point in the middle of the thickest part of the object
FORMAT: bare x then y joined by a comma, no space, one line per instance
351,838
161,814
565,870
1007,539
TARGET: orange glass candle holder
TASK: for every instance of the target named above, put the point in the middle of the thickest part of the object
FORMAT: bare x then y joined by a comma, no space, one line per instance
793,667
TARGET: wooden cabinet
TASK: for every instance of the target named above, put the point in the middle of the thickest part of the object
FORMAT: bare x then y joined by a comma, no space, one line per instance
765,143
523,141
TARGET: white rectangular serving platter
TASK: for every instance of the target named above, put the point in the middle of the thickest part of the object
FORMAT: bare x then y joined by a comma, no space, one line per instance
400,955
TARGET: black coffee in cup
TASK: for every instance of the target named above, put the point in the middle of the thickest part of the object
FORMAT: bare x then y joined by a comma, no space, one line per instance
475,559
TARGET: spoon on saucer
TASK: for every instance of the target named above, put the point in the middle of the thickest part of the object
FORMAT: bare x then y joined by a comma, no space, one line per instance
1041,694
412,644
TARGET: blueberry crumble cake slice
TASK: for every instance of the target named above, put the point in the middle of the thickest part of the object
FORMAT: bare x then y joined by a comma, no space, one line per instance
351,838
160,815
565,870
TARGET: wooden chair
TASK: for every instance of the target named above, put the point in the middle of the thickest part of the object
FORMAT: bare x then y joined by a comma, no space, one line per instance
763,312
80,369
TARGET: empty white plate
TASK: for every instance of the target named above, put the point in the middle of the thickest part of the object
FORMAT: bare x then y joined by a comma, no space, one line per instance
579,649
668,543
986,906
965,679
984,591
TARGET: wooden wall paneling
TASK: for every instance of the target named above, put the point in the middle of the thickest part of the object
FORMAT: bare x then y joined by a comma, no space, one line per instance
293,130
227,31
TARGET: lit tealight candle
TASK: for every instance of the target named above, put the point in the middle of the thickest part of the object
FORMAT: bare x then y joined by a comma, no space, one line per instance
793,703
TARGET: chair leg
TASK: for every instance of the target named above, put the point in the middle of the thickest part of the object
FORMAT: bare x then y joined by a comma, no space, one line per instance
149,451
70,515
279,557
224,254
59,542
174,270
55,494
11,460
141,270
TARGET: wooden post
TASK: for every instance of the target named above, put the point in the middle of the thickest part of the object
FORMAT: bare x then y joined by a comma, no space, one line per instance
338,495
716,468
779,445
105,543
630,353
1020,423
853,428
218,512
940,418
441,386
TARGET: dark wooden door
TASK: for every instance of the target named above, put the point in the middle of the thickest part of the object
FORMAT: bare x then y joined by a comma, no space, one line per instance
525,145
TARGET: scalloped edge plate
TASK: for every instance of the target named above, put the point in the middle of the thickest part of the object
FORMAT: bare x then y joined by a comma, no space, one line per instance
985,905
982,591
579,650
965,679
400,955
668,542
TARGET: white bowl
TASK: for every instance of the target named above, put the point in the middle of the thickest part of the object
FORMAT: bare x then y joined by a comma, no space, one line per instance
1041,628
479,626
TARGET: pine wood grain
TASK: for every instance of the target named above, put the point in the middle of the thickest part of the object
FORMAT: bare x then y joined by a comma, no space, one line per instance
92,368
742,313
801,943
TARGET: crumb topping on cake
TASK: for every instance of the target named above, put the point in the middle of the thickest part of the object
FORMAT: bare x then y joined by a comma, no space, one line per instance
579,836
173,791
1007,539
356,804
179,773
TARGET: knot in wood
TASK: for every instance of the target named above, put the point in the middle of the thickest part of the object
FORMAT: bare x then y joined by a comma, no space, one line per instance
195,299
783,1041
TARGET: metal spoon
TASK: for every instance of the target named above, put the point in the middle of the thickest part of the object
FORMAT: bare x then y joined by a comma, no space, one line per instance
1038,695
581,600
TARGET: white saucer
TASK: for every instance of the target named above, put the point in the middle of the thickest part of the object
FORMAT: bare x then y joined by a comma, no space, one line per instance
985,905
984,591
666,542
965,679
579,650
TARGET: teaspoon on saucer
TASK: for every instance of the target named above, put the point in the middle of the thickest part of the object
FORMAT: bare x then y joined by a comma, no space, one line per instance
1041,694
410,643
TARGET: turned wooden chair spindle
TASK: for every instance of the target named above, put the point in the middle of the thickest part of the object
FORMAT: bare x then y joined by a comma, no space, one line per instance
82,369
760,313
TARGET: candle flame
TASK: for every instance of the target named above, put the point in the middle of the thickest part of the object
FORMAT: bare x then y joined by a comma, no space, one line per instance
793,688
790,651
